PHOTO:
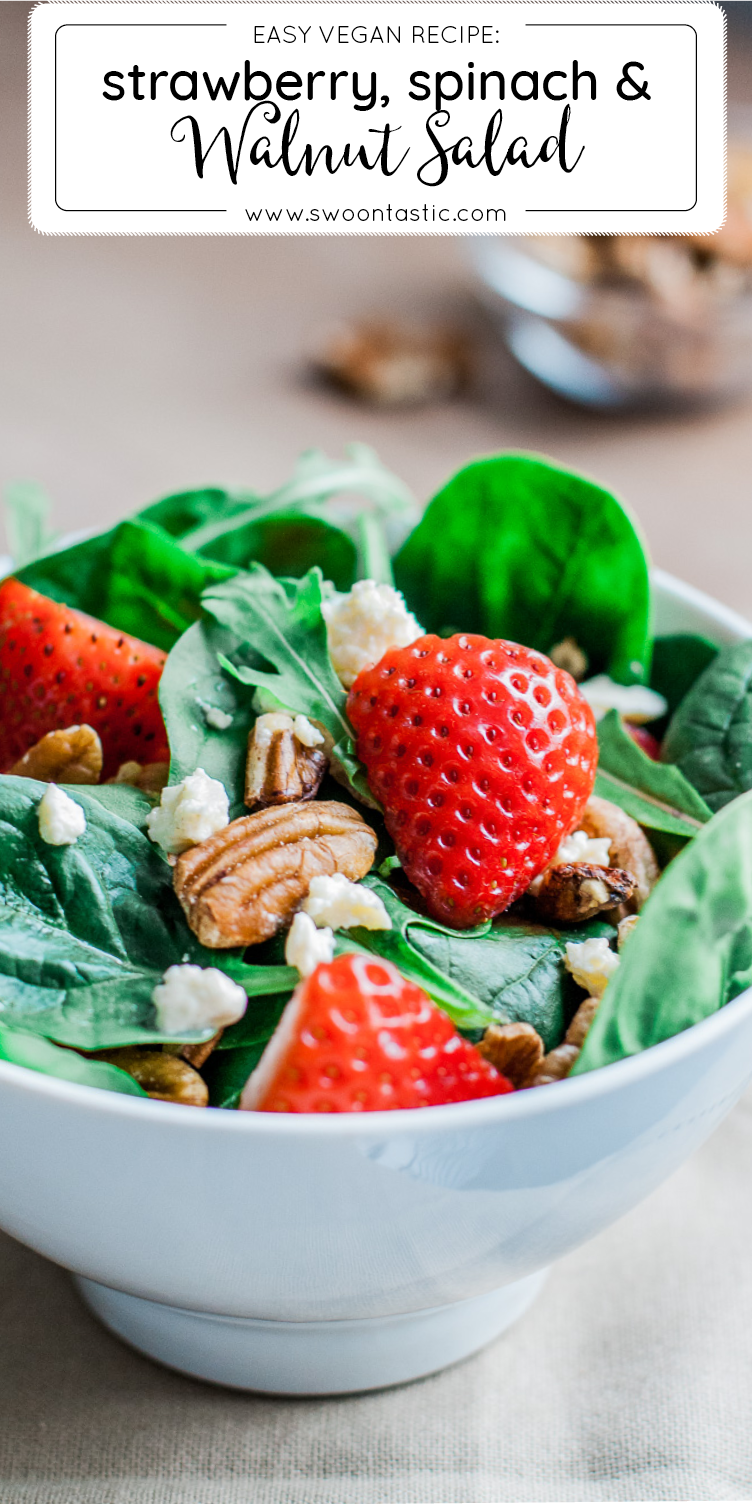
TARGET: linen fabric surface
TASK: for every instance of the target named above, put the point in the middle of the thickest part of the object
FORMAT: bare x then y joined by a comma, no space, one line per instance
630,1378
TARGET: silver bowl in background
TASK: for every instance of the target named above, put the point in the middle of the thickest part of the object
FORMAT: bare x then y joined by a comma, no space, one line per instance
611,345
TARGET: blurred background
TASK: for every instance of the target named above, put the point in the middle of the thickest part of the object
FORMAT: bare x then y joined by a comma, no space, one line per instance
136,367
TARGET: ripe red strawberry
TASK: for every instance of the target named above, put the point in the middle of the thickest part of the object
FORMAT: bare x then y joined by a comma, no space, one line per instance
483,756
357,1037
61,668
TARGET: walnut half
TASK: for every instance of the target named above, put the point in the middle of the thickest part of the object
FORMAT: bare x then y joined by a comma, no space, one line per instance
576,891
515,1049
246,882
72,755
281,768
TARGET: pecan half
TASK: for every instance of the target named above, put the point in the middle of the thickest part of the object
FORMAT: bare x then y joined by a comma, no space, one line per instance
162,1076
281,769
246,882
198,1054
576,891
515,1049
70,756
151,777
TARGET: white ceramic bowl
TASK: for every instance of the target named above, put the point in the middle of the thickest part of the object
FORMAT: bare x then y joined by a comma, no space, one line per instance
303,1256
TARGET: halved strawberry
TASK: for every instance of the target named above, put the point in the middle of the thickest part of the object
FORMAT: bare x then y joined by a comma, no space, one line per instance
357,1037
60,668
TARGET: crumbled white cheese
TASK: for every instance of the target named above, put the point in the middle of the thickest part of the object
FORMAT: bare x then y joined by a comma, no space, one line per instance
306,947
635,702
61,820
592,964
363,624
344,905
219,720
189,812
306,733
580,847
190,998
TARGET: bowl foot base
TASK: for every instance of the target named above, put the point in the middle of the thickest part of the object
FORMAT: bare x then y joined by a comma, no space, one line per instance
310,1357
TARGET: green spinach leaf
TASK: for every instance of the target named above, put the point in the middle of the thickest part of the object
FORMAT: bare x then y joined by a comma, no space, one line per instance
691,951
182,514
657,796
289,543
37,1054
193,685
134,577
86,931
500,973
515,547
678,660
710,734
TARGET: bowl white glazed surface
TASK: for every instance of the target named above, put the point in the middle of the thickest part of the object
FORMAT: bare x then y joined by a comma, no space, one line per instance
315,1255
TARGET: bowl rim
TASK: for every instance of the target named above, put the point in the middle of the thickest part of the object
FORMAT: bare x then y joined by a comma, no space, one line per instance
473,1114
477,1113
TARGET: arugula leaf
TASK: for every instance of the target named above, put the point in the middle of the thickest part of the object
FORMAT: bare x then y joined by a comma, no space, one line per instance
678,660
516,547
281,620
86,931
692,950
657,796
27,511
500,973
39,1055
710,734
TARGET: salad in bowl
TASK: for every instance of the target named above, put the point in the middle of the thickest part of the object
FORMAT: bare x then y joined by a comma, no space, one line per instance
314,806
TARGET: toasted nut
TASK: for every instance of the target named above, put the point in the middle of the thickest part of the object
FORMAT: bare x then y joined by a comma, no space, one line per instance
281,769
70,756
151,777
245,883
515,1049
395,365
624,929
198,1054
630,847
556,1064
575,891
581,1022
568,655
164,1077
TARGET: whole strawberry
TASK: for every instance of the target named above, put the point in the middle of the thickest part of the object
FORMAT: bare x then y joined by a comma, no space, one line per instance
483,755
357,1037
60,668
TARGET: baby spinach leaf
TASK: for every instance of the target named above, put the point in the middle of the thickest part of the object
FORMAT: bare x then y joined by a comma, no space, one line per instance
121,799
181,515
192,685
678,660
691,951
289,543
226,1072
87,930
515,547
39,1055
134,577
500,973
657,796
710,734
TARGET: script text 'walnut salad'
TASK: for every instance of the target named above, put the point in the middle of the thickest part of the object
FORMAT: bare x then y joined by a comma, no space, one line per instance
311,806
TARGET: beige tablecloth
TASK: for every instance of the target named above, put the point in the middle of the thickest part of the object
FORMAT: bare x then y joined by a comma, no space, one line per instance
133,367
